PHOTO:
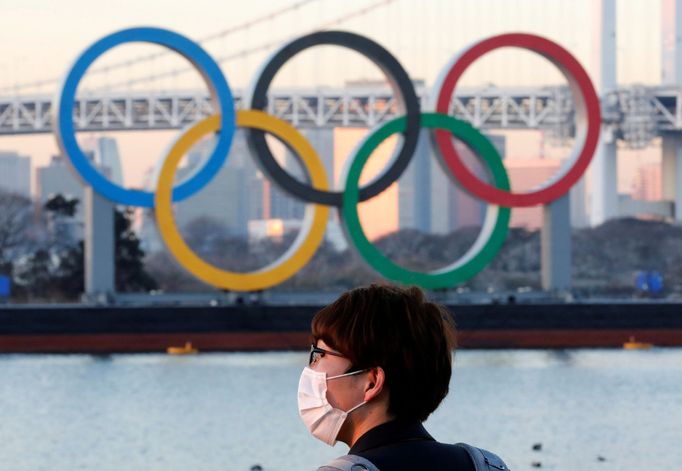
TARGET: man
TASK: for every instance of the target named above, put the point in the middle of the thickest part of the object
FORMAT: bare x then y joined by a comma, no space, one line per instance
379,365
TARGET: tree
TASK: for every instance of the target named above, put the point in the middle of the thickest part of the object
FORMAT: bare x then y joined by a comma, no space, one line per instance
61,206
59,213
16,218
35,275
130,272
70,273
56,272
53,271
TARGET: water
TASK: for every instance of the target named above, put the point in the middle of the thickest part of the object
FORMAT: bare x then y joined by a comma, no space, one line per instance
231,411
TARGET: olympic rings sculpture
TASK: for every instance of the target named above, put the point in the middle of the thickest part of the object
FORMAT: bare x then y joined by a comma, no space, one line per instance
257,122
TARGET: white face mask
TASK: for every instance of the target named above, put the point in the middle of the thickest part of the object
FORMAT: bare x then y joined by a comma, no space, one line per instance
323,420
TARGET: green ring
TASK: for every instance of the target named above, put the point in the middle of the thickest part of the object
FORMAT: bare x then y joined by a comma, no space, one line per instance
495,226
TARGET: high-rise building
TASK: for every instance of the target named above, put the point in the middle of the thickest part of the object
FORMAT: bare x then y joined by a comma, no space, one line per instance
429,199
15,173
322,140
232,197
282,204
239,196
150,239
57,178
647,184
414,195
106,156
527,175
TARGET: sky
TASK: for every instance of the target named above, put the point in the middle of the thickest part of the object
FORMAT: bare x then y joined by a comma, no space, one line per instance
39,40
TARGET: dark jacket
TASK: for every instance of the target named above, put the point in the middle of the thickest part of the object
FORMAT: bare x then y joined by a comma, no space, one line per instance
406,445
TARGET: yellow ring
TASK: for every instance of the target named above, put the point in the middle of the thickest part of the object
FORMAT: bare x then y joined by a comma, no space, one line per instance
309,237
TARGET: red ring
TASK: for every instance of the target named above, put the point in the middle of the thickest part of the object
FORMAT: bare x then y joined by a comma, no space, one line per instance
586,105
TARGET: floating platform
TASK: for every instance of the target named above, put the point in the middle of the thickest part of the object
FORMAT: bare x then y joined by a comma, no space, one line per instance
112,329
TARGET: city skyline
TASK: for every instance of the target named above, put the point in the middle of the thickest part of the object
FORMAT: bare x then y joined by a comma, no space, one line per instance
380,216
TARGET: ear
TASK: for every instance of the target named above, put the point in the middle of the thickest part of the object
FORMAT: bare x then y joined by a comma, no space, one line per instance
376,379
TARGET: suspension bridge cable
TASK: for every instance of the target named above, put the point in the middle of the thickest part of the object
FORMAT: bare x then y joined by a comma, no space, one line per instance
136,60
248,51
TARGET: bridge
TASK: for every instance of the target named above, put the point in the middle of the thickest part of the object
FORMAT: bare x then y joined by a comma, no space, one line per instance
634,115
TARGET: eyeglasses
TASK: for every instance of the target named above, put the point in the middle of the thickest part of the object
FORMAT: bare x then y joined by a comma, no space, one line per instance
316,353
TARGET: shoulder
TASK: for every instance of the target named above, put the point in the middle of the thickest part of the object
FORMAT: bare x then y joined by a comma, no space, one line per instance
349,463
430,455
483,459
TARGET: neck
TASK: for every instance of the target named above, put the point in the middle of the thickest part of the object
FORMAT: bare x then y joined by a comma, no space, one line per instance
371,419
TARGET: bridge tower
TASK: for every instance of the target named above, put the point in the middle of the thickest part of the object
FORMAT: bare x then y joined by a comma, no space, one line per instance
671,74
604,167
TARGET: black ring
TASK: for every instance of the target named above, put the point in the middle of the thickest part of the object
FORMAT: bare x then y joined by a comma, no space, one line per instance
403,89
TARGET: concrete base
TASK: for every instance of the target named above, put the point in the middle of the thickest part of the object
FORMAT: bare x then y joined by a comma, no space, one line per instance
555,240
99,247
671,173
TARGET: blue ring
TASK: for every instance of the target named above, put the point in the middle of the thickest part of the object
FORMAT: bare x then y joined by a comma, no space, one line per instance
217,84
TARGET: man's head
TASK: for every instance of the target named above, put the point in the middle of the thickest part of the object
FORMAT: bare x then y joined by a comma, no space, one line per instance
403,341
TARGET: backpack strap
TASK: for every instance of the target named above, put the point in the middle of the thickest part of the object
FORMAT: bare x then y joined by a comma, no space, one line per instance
349,463
484,460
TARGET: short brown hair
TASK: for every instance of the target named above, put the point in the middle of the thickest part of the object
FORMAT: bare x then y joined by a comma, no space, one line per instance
399,330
